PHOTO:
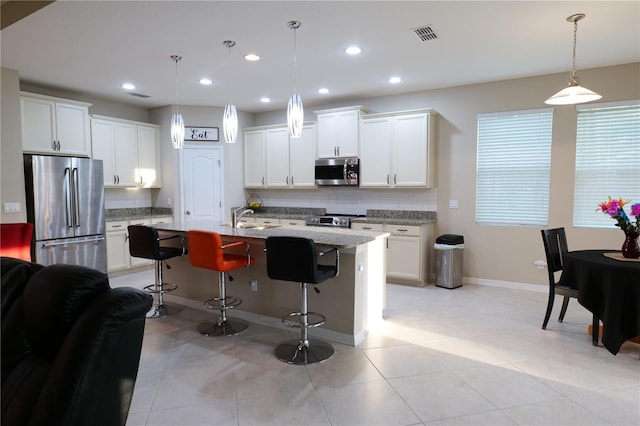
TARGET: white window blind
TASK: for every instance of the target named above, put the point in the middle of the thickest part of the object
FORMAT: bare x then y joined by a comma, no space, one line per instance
513,167
607,160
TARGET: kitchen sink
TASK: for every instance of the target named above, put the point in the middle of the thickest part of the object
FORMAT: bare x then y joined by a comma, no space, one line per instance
257,225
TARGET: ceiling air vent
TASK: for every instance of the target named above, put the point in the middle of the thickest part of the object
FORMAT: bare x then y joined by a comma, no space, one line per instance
425,33
139,95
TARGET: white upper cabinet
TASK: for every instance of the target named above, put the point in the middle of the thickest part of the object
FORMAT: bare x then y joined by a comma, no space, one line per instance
302,158
148,171
254,158
274,160
277,156
129,152
54,126
338,131
396,149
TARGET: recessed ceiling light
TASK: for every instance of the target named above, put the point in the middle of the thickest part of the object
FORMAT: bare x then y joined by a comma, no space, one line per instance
251,57
395,80
323,90
205,81
128,86
265,100
353,50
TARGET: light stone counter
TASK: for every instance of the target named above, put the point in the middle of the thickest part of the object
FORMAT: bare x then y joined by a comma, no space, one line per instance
352,302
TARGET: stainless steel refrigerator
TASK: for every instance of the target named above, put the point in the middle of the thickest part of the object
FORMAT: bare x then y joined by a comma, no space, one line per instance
65,202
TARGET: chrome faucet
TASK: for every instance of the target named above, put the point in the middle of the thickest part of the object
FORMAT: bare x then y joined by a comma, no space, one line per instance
236,216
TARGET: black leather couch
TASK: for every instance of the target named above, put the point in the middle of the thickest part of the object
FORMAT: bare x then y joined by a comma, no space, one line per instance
70,345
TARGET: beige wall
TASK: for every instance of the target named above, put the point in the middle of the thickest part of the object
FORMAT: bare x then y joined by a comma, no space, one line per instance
491,252
12,175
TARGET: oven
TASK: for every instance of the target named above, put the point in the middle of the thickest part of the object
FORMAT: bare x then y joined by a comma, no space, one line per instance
331,220
337,172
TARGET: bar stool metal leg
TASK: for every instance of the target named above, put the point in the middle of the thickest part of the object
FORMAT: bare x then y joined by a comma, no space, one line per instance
158,310
225,326
304,351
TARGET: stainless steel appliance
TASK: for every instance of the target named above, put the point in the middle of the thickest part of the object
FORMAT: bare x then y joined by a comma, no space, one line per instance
337,171
333,220
65,202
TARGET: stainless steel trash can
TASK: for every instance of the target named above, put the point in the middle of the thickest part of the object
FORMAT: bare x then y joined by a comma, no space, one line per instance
449,250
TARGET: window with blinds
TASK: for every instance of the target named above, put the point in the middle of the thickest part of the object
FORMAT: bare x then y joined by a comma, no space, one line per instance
607,160
513,168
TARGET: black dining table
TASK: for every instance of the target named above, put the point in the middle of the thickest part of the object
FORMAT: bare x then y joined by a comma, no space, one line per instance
608,286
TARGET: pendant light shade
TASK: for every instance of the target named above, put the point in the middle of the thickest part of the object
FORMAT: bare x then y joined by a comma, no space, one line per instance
295,110
230,115
574,93
177,123
230,124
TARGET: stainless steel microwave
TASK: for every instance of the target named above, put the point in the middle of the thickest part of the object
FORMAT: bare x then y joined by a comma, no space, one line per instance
337,171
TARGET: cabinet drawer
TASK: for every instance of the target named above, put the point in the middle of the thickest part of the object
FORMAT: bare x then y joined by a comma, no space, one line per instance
268,220
120,225
159,220
292,222
140,222
411,230
378,227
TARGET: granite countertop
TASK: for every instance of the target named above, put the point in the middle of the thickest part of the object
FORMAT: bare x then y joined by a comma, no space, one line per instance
334,237
112,215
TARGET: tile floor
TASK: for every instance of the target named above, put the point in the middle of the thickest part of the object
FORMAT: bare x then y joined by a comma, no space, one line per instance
471,356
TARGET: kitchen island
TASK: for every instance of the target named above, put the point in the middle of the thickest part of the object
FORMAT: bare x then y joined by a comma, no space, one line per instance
352,301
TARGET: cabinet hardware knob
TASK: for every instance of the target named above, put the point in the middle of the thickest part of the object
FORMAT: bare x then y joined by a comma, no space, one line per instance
188,212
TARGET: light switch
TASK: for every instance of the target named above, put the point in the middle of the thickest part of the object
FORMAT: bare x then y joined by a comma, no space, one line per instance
453,204
11,207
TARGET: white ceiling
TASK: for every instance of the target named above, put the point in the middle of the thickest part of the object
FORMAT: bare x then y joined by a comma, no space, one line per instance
93,46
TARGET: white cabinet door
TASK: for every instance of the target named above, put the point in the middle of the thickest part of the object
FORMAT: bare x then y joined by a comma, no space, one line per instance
338,133
410,150
38,125
148,171
375,148
53,127
117,247
303,158
403,257
102,137
72,129
277,158
126,154
254,160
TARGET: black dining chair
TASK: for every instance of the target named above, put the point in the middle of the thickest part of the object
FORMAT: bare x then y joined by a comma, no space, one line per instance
555,248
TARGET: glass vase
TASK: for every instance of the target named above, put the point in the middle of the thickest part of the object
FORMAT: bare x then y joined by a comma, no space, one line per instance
630,247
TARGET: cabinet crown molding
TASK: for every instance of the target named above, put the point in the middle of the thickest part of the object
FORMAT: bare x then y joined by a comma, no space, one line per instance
405,112
54,99
349,108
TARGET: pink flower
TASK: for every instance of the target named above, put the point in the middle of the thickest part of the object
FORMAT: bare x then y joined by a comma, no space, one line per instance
635,210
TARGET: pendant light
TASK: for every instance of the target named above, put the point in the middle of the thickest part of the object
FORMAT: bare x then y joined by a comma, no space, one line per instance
295,110
177,123
574,93
230,116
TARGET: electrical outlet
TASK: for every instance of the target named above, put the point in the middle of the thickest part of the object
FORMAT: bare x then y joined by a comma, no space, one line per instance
453,204
11,207
254,285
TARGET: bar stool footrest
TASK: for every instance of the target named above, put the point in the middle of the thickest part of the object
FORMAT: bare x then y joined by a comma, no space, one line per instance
321,319
226,303
151,288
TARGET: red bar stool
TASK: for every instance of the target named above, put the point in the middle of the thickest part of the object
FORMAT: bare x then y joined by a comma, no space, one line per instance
206,251
296,259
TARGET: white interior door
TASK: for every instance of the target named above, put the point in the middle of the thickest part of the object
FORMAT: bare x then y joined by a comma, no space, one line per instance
201,170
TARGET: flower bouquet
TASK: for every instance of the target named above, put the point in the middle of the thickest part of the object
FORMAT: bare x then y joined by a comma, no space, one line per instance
615,209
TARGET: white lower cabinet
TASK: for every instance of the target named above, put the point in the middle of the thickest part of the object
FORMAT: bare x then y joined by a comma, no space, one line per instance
117,236
408,253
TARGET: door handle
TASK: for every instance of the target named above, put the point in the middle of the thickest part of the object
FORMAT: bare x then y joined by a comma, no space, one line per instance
76,198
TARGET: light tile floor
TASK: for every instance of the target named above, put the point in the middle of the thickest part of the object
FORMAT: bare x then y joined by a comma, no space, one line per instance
471,356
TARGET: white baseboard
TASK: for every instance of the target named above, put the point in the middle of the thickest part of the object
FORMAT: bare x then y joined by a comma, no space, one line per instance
506,284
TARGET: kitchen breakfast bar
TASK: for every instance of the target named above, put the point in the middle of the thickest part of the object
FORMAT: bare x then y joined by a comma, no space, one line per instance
352,302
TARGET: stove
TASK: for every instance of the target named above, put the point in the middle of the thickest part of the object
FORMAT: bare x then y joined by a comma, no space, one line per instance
332,220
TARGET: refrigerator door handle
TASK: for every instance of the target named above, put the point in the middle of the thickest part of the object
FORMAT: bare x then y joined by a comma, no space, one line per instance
52,244
67,197
76,198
